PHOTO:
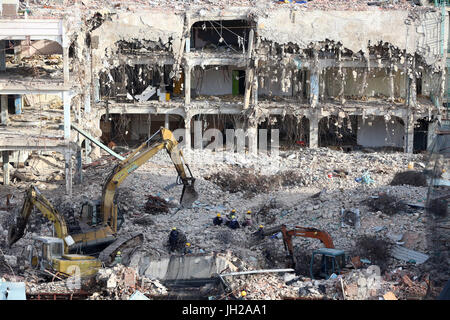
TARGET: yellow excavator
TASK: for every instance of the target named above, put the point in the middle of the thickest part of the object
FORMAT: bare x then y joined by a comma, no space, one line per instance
52,253
99,237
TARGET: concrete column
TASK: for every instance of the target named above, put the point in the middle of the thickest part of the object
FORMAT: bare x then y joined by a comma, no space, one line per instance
4,109
409,134
255,91
68,170
314,88
252,134
5,155
87,142
2,55
412,83
314,81
79,168
187,84
166,121
96,89
188,45
66,65
314,130
66,101
250,72
187,133
18,104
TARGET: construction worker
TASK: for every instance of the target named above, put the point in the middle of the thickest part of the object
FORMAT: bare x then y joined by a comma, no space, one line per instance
187,248
234,224
260,232
242,295
248,219
228,217
118,258
217,221
173,239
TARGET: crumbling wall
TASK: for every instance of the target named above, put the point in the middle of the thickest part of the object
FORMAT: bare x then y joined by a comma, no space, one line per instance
165,27
354,29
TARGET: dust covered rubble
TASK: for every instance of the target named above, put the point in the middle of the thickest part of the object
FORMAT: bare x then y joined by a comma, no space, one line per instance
320,171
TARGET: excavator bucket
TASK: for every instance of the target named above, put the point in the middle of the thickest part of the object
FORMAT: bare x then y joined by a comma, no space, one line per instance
188,196
15,232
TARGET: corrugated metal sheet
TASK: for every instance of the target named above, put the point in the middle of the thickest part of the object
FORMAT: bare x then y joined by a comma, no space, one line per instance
402,253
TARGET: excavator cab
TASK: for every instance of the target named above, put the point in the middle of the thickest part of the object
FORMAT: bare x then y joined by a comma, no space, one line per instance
47,253
332,261
91,214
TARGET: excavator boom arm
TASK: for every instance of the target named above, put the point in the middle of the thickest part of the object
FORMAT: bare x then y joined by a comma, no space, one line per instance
34,198
136,159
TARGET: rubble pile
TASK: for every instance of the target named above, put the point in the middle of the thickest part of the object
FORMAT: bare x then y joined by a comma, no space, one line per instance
317,200
411,178
156,205
386,204
120,282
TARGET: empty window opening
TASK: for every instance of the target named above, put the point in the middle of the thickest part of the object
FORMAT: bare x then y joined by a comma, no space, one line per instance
130,130
230,36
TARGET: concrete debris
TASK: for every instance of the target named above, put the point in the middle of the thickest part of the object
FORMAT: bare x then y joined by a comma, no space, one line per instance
334,139
123,283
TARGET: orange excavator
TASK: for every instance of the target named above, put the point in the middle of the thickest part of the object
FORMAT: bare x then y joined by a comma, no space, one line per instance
333,260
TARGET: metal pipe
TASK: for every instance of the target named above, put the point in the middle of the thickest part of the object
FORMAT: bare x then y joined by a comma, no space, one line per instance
256,271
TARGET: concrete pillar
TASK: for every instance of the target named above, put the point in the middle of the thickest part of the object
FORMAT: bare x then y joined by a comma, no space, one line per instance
87,142
18,104
66,65
4,109
2,55
66,101
314,130
68,170
166,121
409,134
412,84
96,89
188,45
5,155
255,91
250,72
187,133
79,168
314,88
252,134
314,81
187,84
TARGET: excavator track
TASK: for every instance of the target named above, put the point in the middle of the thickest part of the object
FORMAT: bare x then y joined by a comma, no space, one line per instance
109,253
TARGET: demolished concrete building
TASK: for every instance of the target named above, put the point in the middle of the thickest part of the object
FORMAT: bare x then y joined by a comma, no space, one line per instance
351,74
370,75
